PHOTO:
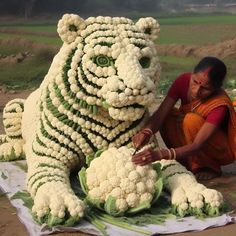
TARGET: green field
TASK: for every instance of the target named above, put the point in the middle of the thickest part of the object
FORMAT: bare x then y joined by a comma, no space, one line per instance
198,19
33,27
198,30
186,30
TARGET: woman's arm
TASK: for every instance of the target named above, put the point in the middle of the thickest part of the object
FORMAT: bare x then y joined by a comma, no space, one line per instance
156,120
149,155
154,123
204,134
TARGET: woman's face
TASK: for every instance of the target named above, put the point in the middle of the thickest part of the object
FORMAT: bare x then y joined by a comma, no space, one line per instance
200,88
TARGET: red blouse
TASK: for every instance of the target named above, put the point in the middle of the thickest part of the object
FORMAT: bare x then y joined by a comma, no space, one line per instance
179,90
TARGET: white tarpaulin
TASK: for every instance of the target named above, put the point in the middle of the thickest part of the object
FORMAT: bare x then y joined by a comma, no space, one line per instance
12,180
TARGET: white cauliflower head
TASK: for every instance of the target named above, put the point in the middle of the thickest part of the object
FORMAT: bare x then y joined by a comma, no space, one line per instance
113,180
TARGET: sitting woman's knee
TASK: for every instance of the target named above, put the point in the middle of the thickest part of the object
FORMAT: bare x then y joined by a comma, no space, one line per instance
193,121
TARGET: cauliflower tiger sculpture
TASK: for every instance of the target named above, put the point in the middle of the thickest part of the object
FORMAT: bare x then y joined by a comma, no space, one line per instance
95,96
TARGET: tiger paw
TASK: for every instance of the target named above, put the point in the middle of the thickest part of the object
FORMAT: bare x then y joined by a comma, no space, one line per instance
10,151
56,204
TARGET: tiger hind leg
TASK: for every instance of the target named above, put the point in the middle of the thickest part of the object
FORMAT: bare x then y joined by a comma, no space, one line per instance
11,144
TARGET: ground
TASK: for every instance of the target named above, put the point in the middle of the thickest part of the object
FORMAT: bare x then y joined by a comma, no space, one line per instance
11,226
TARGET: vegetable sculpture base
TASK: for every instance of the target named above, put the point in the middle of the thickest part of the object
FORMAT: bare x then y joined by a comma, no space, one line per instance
95,96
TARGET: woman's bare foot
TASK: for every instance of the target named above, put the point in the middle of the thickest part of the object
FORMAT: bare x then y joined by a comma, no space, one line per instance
206,174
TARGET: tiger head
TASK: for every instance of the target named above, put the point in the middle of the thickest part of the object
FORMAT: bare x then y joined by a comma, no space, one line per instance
114,63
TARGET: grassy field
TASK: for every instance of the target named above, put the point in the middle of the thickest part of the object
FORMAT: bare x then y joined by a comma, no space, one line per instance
204,29
27,74
198,19
198,30
196,34
191,30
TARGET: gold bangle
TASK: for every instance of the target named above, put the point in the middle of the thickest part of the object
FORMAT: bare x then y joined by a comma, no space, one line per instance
149,130
174,153
169,154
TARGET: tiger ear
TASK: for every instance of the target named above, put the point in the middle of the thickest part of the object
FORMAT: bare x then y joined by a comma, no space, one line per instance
149,26
69,27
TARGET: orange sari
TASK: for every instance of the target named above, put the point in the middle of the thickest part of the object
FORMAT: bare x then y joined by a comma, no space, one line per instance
183,124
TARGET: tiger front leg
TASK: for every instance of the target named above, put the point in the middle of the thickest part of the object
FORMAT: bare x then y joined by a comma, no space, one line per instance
48,183
55,204
54,201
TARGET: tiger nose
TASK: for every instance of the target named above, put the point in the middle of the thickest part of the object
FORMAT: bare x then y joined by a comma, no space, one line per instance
130,71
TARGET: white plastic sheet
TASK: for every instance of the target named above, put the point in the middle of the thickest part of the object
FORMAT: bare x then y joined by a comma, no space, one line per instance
12,180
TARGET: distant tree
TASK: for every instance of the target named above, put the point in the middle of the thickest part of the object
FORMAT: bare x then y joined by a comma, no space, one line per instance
28,8
219,3
10,7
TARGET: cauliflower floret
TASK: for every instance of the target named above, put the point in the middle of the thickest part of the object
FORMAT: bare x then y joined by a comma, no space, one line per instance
146,197
122,173
142,171
114,181
132,199
95,193
92,181
212,197
152,174
141,187
106,187
121,204
150,186
127,186
129,166
198,188
120,164
178,196
117,193
134,176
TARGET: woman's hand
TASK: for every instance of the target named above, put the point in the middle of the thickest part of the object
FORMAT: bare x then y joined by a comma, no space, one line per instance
147,156
142,138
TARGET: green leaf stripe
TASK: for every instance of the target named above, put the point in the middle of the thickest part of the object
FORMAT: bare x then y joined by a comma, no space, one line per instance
46,175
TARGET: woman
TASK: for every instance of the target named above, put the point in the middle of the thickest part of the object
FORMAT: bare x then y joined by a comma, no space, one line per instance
201,134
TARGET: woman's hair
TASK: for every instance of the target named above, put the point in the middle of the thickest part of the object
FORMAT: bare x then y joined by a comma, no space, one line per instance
216,70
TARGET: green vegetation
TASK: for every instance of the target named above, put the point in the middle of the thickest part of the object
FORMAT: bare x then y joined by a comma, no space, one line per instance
199,19
27,74
198,30
171,68
32,27
196,34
